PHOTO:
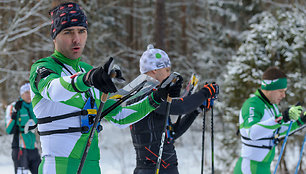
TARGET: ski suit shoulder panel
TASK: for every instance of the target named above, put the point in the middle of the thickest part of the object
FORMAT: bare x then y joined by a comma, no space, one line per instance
55,86
252,111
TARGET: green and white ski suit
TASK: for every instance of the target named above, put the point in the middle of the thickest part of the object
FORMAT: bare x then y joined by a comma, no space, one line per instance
257,128
54,92
26,141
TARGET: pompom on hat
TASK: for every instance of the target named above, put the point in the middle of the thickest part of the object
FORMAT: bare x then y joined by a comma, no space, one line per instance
153,59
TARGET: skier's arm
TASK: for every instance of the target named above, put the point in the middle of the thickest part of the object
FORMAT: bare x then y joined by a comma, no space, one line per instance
10,121
185,105
295,125
141,106
255,128
130,114
185,123
47,81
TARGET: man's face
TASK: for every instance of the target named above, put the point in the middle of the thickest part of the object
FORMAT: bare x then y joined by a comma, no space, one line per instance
26,96
276,96
71,41
163,73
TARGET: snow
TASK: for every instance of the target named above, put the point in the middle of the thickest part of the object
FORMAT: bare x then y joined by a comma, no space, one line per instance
118,154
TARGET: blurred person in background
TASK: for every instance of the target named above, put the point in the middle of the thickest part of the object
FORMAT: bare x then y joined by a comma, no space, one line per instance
21,122
260,120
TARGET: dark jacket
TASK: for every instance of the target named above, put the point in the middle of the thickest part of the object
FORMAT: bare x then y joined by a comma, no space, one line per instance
146,134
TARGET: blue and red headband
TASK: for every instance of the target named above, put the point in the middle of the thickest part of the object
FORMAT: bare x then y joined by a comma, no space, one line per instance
67,15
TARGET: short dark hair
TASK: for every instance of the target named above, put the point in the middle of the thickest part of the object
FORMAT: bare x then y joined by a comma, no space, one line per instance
273,73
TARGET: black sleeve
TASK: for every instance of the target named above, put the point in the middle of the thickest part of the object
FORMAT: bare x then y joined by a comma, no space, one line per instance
184,105
181,127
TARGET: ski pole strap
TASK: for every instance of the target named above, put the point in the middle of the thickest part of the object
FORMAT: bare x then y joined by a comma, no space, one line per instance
208,103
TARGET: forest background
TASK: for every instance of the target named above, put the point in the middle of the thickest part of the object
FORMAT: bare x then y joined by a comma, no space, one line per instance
228,41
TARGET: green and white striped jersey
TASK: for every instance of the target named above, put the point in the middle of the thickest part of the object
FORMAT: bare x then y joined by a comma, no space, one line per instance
52,95
28,140
258,127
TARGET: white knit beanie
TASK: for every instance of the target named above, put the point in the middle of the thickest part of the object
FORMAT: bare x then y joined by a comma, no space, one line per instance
24,88
153,59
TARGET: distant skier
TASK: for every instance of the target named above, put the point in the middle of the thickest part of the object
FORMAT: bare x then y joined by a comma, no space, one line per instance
66,94
21,121
259,121
146,134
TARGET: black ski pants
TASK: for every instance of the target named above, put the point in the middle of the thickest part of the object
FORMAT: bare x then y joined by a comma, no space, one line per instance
26,159
172,170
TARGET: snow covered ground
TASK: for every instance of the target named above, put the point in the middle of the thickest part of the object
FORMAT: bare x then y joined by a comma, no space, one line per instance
118,155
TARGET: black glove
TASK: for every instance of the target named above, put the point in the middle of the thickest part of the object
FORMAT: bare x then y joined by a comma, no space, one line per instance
207,104
14,115
100,78
169,87
17,107
211,89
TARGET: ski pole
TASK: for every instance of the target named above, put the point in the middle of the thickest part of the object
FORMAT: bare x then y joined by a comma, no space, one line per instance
301,155
169,101
103,114
212,139
283,147
94,126
212,128
92,131
203,136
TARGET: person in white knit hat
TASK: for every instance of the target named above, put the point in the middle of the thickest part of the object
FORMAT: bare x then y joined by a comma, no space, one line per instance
21,121
155,66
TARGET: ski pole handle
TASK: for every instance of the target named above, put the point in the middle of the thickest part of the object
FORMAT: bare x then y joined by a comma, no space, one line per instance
169,101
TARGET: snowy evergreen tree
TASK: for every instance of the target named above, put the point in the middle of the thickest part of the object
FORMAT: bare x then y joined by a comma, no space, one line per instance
274,39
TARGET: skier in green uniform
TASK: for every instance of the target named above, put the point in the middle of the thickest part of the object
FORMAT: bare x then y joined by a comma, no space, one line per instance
260,119
21,121
66,94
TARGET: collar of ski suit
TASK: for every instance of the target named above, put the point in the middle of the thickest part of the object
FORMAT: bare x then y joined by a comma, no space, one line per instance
261,95
25,104
73,63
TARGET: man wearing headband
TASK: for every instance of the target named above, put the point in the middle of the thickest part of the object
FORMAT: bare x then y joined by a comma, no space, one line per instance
66,95
260,120
146,134
21,121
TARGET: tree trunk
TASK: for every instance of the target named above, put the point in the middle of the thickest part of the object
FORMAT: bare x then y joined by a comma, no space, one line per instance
160,24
